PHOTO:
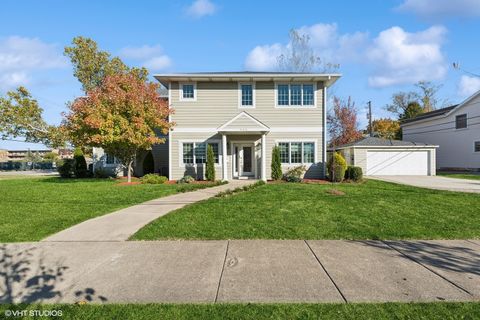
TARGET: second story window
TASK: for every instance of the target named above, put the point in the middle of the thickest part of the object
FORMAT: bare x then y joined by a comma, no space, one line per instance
187,91
295,95
246,95
461,121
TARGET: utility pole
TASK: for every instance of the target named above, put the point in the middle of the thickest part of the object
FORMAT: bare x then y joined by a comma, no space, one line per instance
369,116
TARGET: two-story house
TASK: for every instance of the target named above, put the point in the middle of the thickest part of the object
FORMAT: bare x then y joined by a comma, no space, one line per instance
243,115
455,129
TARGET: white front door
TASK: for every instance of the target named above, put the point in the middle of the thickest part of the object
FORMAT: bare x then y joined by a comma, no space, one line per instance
243,160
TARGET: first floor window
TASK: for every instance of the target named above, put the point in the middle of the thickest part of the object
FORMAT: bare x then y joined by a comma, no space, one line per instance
297,152
109,159
477,146
284,152
188,153
196,152
308,152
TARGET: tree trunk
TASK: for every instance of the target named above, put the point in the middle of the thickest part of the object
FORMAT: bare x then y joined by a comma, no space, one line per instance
129,172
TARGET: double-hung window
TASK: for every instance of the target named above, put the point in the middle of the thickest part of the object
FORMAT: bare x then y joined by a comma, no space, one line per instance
461,121
196,152
476,146
297,152
295,95
247,98
187,91
109,159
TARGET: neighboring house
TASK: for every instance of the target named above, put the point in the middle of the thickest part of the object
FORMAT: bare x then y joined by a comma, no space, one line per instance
19,155
385,157
456,130
243,115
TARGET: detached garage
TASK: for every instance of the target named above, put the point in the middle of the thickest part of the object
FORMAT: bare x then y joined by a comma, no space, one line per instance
385,157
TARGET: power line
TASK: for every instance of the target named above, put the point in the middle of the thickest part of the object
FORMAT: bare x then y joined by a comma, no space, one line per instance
438,130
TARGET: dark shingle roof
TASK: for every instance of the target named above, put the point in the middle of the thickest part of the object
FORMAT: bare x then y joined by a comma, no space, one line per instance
431,114
379,142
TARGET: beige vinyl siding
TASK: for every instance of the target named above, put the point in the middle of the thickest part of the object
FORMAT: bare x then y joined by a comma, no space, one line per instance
217,103
179,170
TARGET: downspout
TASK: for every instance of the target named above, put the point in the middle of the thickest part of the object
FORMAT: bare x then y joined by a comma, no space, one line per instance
324,131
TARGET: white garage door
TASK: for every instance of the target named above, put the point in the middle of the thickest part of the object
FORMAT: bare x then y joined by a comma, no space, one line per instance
395,163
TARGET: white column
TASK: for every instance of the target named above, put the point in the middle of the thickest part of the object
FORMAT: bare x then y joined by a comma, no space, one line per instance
264,158
224,157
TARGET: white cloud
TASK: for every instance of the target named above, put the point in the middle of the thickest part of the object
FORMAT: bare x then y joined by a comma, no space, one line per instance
20,57
441,8
264,58
151,57
325,41
468,86
400,57
201,8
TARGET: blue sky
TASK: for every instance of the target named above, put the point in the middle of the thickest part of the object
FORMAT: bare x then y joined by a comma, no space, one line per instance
382,46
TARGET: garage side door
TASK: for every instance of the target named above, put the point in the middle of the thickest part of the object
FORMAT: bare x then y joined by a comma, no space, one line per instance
394,163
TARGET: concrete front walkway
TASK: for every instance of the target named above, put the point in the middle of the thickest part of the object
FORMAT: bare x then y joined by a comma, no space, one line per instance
120,225
242,271
434,182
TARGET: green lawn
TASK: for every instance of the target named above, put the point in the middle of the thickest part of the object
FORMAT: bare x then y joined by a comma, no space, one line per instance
371,210
469,176
34,208
438,310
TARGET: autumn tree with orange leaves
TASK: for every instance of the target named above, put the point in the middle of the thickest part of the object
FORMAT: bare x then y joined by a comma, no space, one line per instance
342,122
121,116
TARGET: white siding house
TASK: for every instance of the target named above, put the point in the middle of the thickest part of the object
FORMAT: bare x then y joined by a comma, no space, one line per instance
456,130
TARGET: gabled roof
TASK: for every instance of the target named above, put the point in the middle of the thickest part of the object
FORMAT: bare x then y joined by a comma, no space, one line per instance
328,78
243,122
440,113
431,114
380,142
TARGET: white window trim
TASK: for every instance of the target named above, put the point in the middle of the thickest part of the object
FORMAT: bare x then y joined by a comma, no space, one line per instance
180,91
240,106
466,118
474,142
194,141
289,141
289,98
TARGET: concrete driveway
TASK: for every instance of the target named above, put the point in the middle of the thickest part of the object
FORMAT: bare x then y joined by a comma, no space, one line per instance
434,182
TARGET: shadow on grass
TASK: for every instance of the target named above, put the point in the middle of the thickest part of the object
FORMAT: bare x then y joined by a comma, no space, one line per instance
26,278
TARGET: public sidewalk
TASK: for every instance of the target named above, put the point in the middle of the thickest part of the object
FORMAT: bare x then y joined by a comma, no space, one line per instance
244,271
121,224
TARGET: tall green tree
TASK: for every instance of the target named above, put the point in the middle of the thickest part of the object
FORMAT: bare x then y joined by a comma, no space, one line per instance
21,116
413,109
91,65
210,170
120,116
276,165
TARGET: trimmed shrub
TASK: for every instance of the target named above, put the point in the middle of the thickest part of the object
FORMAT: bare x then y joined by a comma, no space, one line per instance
148,164
295,174
336,167
102,173
186,179
65,168
210,171
276,164
152,178
80,169
354,173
